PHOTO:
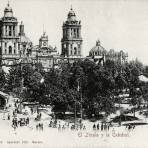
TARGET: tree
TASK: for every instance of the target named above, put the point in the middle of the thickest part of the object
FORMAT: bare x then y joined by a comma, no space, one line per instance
14,79
135,98
2,79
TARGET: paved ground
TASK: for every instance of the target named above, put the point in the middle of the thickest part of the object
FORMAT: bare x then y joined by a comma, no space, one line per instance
29,137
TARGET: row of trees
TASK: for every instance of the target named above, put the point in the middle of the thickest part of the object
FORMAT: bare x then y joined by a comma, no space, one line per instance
98,85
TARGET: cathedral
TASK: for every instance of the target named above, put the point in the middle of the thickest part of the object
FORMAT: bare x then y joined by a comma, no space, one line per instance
16,47
13,44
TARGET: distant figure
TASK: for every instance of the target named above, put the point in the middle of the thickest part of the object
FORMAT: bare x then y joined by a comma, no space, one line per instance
108,127
72,127
105,126
42,126
102,127
84,128
59,127
98,126
68,125
50,124
31,110
37,127
126,127
63,127
13,113
129,127
40,115
94,127
27,120
8,116
16,123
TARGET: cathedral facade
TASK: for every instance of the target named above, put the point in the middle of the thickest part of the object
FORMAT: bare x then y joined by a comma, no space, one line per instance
15,46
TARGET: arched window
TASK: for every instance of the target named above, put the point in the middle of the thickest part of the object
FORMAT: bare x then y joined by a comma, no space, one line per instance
14,45
14,30
75,50
78,33
5,48
10,33
79,52
10,50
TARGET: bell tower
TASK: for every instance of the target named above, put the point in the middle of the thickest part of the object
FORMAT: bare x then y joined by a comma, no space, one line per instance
43,41
8,34
71,40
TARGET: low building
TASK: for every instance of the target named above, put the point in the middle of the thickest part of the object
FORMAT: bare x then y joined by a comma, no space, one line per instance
44,53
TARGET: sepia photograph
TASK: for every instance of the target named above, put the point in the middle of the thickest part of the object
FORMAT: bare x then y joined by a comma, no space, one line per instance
73,73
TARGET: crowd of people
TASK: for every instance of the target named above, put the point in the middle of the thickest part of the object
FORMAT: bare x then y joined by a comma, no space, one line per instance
130,127
39,127
19,121
101,127
54,123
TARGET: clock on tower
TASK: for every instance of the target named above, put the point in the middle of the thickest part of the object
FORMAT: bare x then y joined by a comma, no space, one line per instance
44,43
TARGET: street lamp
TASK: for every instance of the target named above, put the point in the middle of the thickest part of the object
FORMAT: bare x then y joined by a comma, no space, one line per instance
22,84
75,114
81,108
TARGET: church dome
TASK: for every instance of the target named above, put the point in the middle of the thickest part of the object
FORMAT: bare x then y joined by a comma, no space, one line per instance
71,15
8,8
8,12
97,50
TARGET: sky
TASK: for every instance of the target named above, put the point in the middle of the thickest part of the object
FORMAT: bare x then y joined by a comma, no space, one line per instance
118,24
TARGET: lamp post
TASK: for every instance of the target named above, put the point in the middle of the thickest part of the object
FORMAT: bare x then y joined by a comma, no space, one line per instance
75,114
22,84
81,107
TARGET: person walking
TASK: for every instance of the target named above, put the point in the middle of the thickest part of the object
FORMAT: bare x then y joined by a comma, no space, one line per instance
94,127
37,127
105,126
102,127
27,120
42,126
63,127
8,116
108,127
31,110
16,122
84,127
40,115
98,126
59,127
